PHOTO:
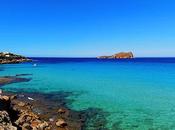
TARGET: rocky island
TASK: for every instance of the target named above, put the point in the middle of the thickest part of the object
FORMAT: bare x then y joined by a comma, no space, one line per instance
9,58
121,55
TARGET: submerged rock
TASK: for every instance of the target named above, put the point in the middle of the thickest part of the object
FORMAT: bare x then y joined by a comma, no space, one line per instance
12,79
21,104
61,110
61,123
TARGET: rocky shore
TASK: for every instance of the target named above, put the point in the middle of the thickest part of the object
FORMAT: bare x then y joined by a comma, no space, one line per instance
36,111
22,112
9,58
121,55
32,111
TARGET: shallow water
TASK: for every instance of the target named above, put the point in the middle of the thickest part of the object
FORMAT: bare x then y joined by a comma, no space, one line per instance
137,94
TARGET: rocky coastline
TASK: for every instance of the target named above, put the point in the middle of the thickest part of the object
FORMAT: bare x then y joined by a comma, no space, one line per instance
36,111
121,55
10,58
21,110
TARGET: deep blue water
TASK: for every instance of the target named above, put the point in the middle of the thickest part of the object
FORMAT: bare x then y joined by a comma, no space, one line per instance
138,94
135,60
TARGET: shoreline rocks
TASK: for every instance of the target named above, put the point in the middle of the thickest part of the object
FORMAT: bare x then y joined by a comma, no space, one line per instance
121,55
44,114
61,123
18,113
46,111
10,58
5,122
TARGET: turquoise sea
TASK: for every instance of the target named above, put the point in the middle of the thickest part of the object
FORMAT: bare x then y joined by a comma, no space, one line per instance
136,94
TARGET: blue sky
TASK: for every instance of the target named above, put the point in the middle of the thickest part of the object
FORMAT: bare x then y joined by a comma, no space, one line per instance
86,28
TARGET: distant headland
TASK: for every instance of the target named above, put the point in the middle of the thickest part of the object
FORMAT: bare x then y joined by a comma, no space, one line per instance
121,55
10,58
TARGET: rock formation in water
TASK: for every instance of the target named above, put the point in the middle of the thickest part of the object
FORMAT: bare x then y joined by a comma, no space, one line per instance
12,79
9,58
121,55
17,113
37,111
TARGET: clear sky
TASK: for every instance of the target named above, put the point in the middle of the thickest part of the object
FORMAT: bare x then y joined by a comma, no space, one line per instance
87,28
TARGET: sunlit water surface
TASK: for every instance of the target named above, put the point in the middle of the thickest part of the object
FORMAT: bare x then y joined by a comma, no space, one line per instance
137,94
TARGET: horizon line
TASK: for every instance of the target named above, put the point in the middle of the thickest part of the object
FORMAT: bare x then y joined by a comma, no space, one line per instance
95,57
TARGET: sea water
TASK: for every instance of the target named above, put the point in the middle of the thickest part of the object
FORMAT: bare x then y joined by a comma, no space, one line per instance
137,94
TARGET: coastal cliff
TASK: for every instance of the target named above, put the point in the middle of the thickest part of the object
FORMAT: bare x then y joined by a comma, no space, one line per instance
121,55
10,58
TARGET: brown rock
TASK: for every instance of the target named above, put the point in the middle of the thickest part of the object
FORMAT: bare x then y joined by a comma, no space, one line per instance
44,125
6,98
26,126
4,102
121,55
4,117
10,127
59,128
61,110
26,117
61,123
5,122
38,125
21,104
35,123
13,97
